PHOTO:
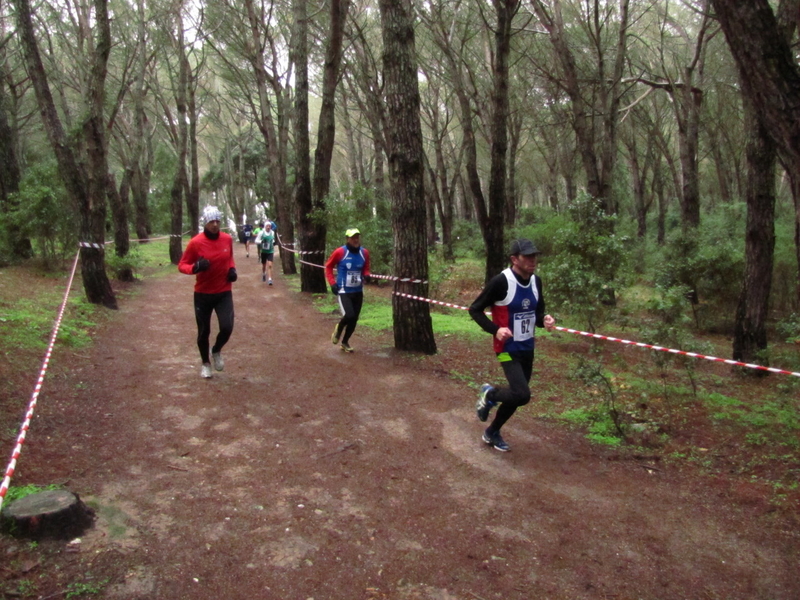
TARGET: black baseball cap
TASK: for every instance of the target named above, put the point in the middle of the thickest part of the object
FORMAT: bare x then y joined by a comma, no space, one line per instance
524,247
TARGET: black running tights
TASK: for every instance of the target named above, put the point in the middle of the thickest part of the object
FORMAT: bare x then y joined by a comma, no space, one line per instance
518,372
351,309
204,305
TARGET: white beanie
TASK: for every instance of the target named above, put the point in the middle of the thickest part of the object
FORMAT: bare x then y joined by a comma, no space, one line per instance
211,213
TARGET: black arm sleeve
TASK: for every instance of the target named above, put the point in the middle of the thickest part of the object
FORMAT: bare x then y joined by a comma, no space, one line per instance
540,303
495,290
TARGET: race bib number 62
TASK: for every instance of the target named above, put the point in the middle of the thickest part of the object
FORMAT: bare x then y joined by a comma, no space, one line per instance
523,326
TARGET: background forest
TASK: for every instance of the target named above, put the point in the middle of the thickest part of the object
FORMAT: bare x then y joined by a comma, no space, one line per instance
623,136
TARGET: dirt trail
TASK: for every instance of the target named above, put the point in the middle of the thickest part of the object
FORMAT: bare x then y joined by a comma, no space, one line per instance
301,472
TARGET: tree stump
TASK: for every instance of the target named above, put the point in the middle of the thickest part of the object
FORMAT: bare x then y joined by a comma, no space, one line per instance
58,514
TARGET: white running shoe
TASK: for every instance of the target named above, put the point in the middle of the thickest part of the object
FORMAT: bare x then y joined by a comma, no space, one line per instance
219,363
205,371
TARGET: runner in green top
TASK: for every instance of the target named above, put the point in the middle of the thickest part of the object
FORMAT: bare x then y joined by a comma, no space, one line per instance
266,242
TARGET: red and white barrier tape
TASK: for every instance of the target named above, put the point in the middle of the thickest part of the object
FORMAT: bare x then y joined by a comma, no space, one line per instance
152,239
727,361
387,277
401,279
448,304
286,246
305,262
608,338
32,404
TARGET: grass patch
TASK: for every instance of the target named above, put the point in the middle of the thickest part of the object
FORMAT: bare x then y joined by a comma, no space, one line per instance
82,589
27,324
17,492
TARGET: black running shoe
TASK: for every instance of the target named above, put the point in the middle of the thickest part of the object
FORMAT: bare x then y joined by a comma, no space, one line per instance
494,439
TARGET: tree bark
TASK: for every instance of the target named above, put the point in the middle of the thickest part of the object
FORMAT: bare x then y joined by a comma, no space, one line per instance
413,329
180,182
313,234
303,200
193,181
496,255
750,331
141,160
10,177
118,201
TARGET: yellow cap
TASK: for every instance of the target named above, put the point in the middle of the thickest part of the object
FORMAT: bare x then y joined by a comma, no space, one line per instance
351,232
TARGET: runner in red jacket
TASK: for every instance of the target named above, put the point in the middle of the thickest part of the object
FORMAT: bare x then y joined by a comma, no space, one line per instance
209,255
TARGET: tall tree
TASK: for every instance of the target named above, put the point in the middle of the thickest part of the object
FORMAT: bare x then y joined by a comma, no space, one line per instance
141,161
10,174
266,92
686,93
452,31
770,78
85,175
313,232
179,131
601,97
498,173
362,75
412,326
750,330
303,200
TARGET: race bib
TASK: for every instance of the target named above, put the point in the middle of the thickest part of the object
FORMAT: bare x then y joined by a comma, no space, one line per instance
353,279
523,326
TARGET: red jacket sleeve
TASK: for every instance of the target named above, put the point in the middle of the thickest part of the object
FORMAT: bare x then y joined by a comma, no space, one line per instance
232,264
331,263
188,258
366,271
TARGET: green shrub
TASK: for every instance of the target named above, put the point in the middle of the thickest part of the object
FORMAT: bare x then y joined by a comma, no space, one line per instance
133,261
586,263
357,206
468,240
789,328
44,214
709,262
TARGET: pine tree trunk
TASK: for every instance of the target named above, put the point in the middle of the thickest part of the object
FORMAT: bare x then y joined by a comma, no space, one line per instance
10,177
413,329
750,332
302,183
118,201
315,231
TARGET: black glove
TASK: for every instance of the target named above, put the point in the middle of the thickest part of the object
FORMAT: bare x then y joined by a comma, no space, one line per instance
334,289
201,265
232,276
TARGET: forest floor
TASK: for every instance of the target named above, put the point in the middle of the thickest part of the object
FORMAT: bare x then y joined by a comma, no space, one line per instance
301,472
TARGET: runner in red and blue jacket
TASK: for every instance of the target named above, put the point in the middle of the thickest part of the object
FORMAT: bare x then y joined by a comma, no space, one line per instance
351,263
